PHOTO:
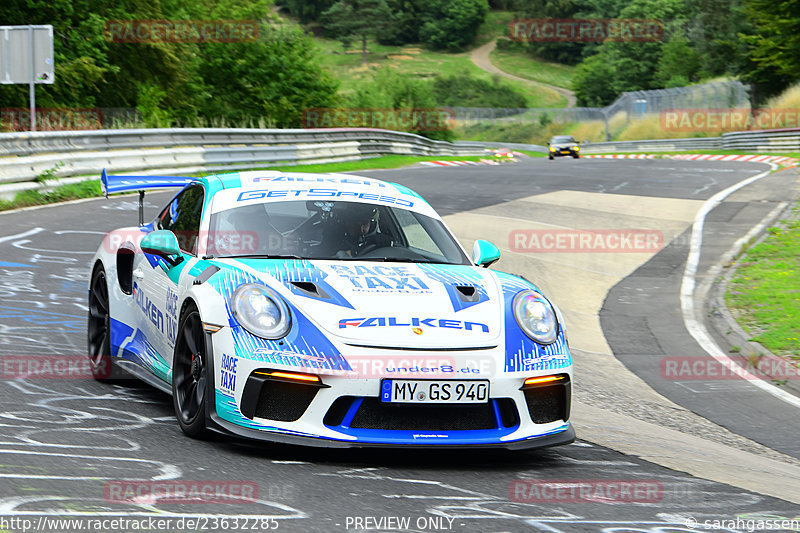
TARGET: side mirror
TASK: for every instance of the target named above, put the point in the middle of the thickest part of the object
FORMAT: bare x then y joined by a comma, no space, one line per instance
162,243
484,253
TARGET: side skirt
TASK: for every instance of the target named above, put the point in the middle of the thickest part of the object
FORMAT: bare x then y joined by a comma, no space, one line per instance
144,375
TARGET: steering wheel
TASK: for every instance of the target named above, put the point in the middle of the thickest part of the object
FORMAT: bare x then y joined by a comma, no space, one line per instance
368,248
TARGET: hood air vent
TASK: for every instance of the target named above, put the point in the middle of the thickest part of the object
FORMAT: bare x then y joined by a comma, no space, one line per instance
467,293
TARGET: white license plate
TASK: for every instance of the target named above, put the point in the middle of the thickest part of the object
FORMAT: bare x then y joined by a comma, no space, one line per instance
439,391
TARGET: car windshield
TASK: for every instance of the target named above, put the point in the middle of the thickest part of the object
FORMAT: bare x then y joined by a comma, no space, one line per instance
562,139
331,230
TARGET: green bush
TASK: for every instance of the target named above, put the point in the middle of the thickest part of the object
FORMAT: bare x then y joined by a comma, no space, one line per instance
391,90
463,90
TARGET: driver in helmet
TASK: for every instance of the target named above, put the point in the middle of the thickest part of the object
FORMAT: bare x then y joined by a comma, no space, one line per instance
357,230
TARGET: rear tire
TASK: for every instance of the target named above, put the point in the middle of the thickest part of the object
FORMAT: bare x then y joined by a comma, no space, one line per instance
99,327
190,375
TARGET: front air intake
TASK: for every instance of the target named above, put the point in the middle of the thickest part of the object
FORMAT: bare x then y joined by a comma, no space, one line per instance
282,400
549,402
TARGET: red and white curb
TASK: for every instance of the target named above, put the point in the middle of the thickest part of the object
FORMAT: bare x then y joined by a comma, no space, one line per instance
461,163
619,156
783,161
777,159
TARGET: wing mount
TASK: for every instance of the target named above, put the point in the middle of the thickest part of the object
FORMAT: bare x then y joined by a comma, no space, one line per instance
115,184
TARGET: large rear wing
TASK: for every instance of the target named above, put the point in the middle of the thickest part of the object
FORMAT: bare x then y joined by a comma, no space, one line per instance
115,184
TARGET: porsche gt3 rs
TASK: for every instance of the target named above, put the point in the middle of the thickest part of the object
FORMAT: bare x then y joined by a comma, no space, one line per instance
326,310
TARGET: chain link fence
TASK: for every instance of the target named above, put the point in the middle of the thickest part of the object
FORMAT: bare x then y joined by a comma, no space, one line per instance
633,104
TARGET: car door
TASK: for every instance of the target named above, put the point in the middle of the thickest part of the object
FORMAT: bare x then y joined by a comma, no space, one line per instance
158,279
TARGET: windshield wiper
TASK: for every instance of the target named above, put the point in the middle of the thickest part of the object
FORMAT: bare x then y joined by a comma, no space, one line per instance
400,260
255,256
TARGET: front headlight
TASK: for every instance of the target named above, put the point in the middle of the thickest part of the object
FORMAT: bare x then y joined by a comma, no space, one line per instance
261,311
552,148
536,316
576,148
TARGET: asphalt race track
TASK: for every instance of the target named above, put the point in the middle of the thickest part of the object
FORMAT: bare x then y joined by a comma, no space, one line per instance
714,450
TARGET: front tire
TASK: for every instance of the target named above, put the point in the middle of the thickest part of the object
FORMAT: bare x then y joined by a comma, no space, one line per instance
99,327
190,372
550,157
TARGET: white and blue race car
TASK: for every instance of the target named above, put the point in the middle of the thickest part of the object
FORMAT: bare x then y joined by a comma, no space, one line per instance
326,310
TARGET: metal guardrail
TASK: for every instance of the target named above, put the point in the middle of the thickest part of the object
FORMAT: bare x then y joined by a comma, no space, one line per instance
656,145
26,156
764,141
511,146
787,140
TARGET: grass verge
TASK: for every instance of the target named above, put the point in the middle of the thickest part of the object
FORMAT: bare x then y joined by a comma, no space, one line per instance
63,193
764,294
526,66
91,189
375,163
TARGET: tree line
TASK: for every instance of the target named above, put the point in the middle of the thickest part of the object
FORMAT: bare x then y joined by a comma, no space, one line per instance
173,80
275,76
757,41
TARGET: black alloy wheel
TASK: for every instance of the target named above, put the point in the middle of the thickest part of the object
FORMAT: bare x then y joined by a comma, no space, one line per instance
190,370
99,327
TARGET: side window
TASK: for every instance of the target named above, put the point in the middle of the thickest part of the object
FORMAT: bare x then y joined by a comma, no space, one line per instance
416,235
183,216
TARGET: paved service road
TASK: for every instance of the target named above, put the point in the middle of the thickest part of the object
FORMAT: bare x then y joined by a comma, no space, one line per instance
66,442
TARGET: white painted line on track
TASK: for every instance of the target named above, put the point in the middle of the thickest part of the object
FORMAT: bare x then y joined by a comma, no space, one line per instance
28,233
697,328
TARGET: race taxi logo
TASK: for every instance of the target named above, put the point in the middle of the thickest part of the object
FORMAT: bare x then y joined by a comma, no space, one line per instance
172,316
381,279
414,323
228,371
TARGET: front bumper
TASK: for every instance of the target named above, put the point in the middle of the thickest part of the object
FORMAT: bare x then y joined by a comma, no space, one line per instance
347,412
564,153
565,435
